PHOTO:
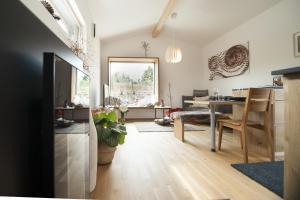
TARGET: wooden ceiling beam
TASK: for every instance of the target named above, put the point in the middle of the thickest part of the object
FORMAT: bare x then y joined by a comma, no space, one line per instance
163,18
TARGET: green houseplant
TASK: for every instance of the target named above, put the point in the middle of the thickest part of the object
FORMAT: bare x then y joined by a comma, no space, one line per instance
110,134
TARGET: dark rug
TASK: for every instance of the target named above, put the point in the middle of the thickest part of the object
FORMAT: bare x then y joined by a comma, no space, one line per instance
268,174
153,127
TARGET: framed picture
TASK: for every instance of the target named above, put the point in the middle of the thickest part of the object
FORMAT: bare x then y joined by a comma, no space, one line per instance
297,43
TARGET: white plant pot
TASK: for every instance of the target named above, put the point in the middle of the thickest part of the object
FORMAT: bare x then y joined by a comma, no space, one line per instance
105,154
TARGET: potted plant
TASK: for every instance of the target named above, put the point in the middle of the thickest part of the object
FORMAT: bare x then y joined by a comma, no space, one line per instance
110,133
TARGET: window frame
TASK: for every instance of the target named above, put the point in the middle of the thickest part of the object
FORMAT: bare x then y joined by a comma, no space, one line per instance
77,19
154,60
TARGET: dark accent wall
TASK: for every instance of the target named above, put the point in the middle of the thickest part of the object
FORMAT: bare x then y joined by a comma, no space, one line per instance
23,40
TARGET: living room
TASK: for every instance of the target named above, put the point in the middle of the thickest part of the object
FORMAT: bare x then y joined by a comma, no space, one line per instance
164,99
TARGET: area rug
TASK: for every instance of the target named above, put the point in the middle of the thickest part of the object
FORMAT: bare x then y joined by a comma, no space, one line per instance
153,127
268,174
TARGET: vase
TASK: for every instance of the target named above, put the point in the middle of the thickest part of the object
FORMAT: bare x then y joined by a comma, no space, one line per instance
122,118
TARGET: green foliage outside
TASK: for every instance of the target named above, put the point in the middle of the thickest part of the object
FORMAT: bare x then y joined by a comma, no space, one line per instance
133,90
146,79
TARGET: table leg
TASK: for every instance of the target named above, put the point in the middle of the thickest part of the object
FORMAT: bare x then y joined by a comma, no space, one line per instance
163,110
154,113
213,128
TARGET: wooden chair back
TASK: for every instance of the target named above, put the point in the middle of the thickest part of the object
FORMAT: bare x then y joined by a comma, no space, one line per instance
257,100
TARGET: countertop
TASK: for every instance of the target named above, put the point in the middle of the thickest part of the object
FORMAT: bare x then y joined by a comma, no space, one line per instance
286,71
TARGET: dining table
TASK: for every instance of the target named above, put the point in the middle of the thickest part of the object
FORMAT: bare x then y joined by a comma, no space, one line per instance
212,104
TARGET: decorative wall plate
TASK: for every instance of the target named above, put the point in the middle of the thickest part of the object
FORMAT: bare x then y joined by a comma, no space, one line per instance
229,63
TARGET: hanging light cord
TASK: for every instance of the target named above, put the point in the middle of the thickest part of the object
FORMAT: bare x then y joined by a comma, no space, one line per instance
173,17
173,53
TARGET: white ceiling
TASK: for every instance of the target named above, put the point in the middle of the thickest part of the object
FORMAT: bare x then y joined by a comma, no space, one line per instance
199,21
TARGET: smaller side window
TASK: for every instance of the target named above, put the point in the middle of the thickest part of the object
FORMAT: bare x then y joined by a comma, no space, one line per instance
68,16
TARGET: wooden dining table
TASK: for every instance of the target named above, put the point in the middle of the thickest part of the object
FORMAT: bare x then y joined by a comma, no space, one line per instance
212,104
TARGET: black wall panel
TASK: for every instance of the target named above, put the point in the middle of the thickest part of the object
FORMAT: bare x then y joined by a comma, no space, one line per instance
23,40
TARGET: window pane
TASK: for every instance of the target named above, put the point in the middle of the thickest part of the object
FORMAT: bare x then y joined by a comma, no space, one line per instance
71,20
82,88
133,83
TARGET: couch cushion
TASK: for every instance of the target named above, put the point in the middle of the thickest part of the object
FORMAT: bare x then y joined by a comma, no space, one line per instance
200,93
185,106
204,98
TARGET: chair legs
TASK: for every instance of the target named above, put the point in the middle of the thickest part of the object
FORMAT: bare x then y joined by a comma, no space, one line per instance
269,137
220,135
271,149
245,148
179,129
241,139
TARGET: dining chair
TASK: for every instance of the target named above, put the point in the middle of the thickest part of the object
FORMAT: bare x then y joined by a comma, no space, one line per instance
257,100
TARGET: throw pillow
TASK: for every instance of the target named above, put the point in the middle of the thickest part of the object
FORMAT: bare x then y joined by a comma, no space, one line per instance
205,98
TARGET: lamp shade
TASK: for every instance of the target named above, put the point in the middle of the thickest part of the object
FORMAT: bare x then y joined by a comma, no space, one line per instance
173,55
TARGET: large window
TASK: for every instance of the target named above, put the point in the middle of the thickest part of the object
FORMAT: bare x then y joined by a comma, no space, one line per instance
134,81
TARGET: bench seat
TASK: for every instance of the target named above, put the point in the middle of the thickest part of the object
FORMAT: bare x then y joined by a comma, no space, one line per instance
182,117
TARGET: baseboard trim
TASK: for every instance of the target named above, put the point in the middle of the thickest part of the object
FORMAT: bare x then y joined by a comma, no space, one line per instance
139,119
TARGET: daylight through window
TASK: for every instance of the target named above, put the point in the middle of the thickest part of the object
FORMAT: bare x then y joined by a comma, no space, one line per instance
134,80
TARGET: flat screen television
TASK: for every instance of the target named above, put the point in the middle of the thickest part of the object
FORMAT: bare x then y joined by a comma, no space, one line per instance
65,129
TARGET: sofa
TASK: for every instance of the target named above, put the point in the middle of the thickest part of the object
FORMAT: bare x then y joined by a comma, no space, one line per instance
189,106
227,109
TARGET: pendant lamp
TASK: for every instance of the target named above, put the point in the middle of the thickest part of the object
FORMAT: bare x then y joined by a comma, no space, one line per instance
173,54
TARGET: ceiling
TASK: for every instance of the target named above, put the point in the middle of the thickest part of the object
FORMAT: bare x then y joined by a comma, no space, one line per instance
198,21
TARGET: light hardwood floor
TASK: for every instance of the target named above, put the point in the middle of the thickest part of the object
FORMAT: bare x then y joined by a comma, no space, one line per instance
158,166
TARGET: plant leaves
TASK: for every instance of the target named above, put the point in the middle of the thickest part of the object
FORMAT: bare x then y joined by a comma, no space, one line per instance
99,133
109,131
112,116
122,139
106,132
100,121
122,127
112,124
112,141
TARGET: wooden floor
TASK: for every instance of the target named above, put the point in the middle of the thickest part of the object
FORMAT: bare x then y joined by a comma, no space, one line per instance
158,166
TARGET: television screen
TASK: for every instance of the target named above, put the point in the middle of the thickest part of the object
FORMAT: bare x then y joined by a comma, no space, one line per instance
63,83
71,86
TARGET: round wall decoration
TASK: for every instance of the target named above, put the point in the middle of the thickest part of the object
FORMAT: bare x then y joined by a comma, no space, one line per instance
229,63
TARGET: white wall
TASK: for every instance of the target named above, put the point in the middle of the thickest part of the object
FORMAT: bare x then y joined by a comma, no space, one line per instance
184,77
93,47
270,35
